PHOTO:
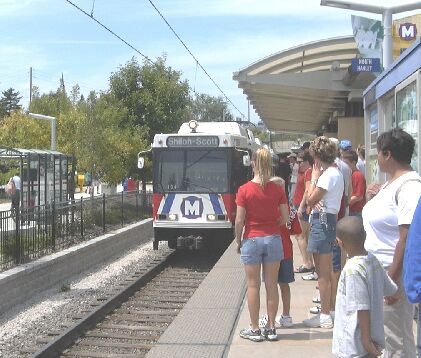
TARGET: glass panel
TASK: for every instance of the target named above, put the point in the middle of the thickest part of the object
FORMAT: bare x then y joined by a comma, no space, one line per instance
406,115
374,128
192,170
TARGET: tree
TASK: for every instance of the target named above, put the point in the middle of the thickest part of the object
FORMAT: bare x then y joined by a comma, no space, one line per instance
21,131
206,108
9,102
153,94
51,104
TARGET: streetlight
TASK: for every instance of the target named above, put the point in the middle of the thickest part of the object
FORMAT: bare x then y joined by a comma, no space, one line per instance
53,127
386,12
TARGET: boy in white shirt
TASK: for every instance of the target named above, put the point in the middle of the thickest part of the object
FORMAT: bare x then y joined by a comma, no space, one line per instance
358,330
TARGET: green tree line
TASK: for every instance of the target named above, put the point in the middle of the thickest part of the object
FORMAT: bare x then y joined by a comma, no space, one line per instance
107,129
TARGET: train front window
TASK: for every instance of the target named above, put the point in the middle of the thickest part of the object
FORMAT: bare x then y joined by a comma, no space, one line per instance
191,170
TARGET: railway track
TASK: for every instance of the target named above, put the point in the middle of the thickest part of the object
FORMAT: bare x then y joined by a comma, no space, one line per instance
128,323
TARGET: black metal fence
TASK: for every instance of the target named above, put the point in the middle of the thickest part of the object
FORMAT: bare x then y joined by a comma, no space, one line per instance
37,231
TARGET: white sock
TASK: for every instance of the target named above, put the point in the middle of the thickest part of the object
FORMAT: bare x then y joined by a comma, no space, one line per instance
324,316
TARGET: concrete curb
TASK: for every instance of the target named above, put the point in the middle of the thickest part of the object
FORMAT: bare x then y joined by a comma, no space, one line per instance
19,284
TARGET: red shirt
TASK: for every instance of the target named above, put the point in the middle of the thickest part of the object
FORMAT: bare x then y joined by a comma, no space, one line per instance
358,189
262,208
300,187
286,242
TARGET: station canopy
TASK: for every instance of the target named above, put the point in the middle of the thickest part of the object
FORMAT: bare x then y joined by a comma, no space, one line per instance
304,88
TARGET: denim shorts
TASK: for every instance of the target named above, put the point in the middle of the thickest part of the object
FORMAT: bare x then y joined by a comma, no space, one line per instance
262,249
304,216
322,237
286,271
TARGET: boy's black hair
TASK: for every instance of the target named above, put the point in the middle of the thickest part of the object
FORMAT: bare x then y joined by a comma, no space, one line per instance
350,230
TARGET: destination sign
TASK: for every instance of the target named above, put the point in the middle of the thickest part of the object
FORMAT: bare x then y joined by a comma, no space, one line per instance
365,65
202,141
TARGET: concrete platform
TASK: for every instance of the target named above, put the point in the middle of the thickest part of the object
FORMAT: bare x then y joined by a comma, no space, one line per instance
296,342
210,323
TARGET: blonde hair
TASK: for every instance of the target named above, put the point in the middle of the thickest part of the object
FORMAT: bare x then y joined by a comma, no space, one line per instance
262,165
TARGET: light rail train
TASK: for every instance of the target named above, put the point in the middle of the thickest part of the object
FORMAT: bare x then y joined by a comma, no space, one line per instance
196,175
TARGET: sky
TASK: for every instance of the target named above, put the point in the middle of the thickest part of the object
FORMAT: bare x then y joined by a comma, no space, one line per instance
54,38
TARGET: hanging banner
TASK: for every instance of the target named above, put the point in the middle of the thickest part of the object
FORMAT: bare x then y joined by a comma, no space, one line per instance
368,34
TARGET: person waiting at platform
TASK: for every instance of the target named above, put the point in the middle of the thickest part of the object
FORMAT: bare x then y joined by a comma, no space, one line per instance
262,207
285,275
357,199
387,216
363,283
299,202
324,195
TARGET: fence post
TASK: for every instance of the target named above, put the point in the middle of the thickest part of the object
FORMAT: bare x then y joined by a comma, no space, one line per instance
137,202
103,212
122,208
17,236
81,217
53,224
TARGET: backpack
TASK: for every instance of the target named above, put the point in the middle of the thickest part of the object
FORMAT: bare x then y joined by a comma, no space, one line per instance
10,187
412,259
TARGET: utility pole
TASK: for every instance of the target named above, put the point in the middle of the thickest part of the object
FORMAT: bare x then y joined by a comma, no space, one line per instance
248,110
62,83
30,86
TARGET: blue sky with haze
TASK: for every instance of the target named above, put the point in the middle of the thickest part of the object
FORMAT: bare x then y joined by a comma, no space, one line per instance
225,35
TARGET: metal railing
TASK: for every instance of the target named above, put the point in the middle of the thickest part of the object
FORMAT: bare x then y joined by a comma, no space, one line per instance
33,232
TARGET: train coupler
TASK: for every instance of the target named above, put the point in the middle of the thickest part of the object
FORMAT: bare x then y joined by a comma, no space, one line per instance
190,242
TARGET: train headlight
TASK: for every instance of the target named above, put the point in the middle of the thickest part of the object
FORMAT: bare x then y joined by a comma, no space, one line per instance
173,217
193,125
211,217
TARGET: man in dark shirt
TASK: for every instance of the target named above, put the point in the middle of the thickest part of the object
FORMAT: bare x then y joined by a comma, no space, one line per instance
283,170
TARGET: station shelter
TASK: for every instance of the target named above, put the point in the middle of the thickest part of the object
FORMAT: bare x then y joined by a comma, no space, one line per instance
311,88
46,175
393,100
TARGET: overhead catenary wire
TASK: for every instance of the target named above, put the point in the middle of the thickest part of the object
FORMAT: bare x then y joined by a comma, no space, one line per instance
146,57
111,31
194,57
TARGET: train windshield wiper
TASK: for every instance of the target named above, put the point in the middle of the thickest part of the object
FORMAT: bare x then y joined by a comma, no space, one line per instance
187,182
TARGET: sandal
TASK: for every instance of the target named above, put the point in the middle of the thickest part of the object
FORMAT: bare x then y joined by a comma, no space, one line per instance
303,269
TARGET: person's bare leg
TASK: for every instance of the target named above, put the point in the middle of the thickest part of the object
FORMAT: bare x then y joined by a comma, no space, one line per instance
323,263
305,227
334,286
253,293
302,245
272,294
286,298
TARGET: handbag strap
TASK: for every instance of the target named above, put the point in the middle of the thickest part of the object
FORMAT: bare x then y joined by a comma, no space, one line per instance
400,187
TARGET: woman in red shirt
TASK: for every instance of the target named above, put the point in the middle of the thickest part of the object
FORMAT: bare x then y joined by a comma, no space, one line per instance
304,177
261,209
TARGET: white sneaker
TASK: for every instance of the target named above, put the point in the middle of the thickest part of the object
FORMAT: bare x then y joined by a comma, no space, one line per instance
310,277
316,299
321,320
316,310
284,321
